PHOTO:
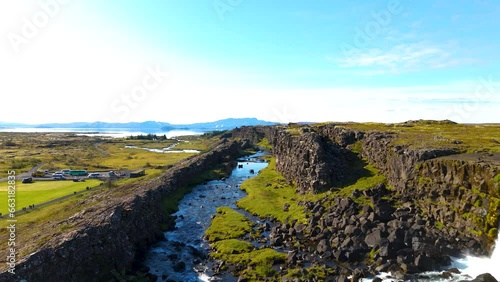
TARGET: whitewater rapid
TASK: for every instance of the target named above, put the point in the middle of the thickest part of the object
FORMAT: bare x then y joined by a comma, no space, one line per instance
474,266
470,267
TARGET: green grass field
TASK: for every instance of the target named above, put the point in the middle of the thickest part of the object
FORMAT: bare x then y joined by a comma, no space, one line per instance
41,191
23,151
126,158
228,224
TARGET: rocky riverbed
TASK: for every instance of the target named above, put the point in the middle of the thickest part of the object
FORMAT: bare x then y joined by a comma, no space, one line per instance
183,255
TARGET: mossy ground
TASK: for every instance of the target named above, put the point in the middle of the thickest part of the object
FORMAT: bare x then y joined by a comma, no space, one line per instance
228,224
268,192
225,233
264,143
438,134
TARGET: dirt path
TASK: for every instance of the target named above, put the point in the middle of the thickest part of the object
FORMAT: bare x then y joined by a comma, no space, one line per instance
491,158
96,146
23,174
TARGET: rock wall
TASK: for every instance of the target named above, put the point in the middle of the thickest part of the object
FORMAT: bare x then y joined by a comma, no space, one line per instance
113,235
461,195
311,161
451,188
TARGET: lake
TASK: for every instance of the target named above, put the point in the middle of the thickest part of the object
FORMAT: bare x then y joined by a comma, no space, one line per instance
107,132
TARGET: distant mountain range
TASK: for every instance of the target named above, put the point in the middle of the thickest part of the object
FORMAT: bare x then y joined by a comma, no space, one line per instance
147,126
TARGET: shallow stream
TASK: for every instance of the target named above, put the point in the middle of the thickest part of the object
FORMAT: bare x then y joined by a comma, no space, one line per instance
181,257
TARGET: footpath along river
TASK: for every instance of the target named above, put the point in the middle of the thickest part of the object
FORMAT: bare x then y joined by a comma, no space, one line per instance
181,257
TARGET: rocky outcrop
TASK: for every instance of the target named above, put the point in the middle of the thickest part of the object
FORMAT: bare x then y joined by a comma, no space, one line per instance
456,192
388,239
311,161
457,195
396,161
112,235
460,194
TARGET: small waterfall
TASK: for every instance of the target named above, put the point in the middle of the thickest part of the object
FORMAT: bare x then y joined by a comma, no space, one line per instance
474,266
470,267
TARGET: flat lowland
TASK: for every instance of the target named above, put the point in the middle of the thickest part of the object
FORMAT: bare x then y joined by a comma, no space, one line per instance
55,151
42,191
21,152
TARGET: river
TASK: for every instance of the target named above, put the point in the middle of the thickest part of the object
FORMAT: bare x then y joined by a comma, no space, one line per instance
181,257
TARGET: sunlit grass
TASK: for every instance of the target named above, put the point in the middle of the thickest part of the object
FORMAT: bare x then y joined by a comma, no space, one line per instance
464,137
228,224
22,151
268,192
224,231
35,228
130,158
41,191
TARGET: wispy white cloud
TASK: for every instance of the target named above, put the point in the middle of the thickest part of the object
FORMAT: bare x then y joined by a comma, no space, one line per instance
402,58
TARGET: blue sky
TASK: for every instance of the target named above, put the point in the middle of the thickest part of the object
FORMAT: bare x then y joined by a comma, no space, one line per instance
190,61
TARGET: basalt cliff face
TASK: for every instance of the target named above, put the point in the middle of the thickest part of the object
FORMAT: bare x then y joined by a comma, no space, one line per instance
460,193
110,236
314,163
436,202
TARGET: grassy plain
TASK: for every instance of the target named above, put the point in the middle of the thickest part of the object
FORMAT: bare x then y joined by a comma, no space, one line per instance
467,138
36,227
55,151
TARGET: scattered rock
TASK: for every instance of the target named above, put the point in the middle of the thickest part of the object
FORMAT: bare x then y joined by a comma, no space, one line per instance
486,277
286,207
179,266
